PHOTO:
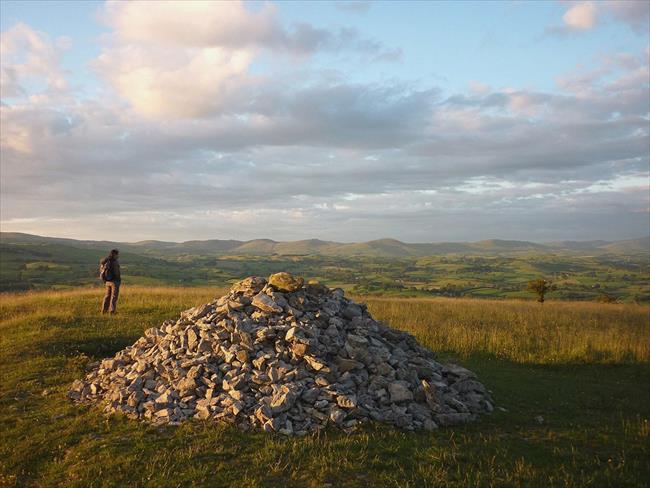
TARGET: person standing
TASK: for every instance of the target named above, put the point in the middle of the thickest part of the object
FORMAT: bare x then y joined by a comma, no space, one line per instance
109,272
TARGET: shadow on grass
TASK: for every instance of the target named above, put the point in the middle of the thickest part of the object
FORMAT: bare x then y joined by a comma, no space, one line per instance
97,347
581,432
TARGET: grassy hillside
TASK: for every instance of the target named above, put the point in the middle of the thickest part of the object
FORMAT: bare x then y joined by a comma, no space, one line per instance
570,380
386,248
32,262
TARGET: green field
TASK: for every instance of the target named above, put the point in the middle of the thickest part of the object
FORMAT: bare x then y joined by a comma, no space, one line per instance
570,381
493,269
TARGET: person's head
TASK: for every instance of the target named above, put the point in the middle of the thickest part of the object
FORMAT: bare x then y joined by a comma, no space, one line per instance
114,254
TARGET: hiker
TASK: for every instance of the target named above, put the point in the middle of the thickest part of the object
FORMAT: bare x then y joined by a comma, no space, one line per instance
109,272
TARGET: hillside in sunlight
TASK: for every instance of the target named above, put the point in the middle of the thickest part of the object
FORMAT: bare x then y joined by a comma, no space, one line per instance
486,269
567,380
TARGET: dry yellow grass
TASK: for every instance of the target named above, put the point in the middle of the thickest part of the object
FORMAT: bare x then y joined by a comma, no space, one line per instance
516,330
595,429
523,331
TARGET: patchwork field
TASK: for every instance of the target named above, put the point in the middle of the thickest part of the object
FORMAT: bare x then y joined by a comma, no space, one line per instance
570,380
586,271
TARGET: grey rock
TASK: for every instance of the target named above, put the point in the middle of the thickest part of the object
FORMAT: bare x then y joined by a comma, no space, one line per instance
265,303
288,359
399,392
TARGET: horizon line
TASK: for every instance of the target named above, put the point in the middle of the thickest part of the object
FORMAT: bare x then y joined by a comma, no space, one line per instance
328,241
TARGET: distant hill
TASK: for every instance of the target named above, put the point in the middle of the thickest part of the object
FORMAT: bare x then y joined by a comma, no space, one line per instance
501,245
580,245
386,248
488,269
631,245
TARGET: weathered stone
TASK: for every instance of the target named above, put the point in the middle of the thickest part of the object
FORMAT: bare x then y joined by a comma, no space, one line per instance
430,396
291,333
165,412
283,400
466,386
345,365
399,392
346,401
281,360
285,282
459,371
299,349
204,346
274,374
337,415
245,340
165,398
263,414
315,363
249,286
192,338
352,311
357,340
316,288
265,303
310,395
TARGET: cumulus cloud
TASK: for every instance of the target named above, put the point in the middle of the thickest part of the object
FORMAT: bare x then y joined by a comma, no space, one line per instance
635,13
224,24
164,69
585,15
203,146
582,15
334,156
29,55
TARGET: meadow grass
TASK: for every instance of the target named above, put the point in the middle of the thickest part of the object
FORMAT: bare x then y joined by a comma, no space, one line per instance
583,368
524,331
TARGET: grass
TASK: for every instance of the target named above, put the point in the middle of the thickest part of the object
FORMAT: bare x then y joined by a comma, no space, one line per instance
524,331
583,367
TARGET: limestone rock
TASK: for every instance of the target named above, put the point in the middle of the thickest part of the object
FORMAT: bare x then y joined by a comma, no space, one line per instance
399,392
265,303
282,357
285,282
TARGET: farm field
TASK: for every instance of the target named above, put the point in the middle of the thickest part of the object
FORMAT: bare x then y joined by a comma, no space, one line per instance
569,377
604,273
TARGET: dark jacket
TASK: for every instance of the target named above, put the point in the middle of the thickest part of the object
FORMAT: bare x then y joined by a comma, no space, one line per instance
115,269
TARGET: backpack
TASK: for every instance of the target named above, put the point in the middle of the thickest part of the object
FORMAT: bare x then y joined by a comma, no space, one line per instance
105,270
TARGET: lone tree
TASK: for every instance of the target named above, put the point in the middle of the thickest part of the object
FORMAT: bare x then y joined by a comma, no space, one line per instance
540,287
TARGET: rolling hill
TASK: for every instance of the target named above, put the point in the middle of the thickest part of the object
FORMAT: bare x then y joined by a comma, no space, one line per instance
388,248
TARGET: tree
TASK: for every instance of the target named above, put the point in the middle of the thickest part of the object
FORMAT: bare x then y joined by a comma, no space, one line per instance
540,288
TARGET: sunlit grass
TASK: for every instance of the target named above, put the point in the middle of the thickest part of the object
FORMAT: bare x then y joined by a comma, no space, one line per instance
524,331
583,367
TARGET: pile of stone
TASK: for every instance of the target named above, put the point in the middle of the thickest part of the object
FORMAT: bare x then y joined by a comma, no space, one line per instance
276,355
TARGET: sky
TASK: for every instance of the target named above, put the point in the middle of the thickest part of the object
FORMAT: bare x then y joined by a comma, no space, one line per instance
347,121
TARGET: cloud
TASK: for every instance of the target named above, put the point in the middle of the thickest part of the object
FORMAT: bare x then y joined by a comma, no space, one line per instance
214,137
582,15
223,24
30,56
181,83
585,15
635,13
163,69
323,159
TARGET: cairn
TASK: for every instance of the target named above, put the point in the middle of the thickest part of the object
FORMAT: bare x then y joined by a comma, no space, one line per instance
282,357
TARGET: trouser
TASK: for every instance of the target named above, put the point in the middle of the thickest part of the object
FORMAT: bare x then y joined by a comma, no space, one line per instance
110,297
